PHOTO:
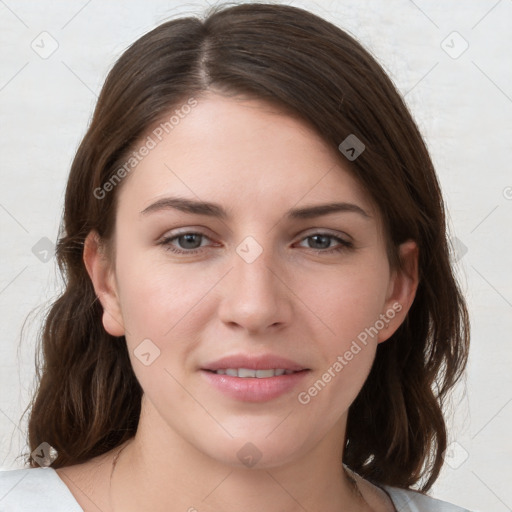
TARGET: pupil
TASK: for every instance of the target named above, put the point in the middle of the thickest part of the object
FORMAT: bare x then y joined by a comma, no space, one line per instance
325,239
189,239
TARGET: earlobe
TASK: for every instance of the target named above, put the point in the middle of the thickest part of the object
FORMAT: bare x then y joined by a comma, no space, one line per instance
402,289
101,274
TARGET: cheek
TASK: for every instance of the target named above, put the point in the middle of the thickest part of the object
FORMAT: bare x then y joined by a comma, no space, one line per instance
160,310
154,293
156,299
350,304
347,300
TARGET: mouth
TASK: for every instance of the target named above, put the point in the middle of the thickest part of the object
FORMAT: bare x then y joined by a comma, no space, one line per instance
254,379
245,373
259,366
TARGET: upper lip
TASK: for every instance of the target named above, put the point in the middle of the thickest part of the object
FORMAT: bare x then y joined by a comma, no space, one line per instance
260,362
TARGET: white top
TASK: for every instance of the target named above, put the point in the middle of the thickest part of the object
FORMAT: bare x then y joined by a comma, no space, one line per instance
41,489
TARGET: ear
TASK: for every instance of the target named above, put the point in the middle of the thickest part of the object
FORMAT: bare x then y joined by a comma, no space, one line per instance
401,290
100,270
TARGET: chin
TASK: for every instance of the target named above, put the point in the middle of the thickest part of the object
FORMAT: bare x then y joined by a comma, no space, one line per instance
257,452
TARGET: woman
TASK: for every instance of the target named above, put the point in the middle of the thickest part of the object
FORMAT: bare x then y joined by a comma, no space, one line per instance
259,308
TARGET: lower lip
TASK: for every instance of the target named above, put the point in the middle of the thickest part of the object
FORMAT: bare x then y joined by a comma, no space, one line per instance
252,389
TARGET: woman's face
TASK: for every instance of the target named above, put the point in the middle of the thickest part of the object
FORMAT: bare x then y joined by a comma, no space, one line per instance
225,258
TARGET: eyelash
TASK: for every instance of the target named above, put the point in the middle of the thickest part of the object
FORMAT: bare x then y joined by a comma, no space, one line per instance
166,242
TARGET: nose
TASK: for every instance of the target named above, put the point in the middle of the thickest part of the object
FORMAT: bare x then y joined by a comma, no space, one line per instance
255,296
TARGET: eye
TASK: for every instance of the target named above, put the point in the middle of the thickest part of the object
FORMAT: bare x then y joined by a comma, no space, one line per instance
322,241
189,243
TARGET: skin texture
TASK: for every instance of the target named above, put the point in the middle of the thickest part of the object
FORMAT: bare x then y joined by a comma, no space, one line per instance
294,300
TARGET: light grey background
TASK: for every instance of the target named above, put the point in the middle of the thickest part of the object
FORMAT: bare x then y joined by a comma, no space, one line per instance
462,101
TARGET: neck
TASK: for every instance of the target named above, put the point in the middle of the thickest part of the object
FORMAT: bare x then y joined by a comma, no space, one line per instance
169,474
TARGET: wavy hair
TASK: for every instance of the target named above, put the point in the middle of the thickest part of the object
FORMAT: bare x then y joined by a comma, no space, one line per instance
88,399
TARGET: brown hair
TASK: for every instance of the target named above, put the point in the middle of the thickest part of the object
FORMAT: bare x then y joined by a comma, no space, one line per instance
88,398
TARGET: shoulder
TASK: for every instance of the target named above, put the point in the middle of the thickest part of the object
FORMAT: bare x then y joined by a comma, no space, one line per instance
408,500
38,489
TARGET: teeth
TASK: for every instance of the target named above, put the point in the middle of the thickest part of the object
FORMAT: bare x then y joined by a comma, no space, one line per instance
259,374
263,374
245,372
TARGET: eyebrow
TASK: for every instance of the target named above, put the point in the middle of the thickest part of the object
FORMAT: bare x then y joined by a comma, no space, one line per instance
216,210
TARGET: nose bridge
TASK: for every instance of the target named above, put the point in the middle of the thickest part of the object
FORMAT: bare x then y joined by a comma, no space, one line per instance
254,298
252,264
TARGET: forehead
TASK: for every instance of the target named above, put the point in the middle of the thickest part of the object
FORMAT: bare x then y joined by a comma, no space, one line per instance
242,153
